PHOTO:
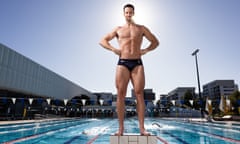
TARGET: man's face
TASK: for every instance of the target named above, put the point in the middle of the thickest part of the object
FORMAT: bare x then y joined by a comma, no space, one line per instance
128,13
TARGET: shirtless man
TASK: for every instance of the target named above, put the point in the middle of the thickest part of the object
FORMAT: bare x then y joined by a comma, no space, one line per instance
130,67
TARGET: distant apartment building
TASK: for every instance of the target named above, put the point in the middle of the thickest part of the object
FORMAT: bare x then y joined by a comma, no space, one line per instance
218,88
178,94
163,100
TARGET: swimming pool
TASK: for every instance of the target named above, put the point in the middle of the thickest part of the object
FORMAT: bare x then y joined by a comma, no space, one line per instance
97,131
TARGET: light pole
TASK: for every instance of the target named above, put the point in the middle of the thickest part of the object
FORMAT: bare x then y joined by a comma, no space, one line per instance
199,88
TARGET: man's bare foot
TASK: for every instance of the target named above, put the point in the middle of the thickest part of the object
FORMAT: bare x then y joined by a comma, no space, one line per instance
145,133
118,133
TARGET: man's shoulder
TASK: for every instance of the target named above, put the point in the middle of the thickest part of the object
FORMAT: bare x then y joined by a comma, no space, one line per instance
143,28
140,26
117,28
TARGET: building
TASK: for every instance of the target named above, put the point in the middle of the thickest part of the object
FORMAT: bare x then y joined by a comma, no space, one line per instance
178,94
23,82
217,88
21,74
163,100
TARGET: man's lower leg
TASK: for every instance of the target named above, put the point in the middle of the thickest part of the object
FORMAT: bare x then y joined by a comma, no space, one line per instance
120,112
141,112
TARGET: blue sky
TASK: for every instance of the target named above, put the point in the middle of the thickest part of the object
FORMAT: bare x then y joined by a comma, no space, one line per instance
63,36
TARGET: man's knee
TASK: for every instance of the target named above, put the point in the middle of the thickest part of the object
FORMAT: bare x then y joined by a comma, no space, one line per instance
121,93
138,93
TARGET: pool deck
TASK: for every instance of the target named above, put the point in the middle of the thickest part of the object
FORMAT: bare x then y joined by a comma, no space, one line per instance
203,120
133,138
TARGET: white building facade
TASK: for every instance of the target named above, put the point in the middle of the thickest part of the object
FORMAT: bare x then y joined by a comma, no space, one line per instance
178,94
218,88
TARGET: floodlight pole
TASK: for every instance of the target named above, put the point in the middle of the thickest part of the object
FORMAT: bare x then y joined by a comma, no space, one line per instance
199,87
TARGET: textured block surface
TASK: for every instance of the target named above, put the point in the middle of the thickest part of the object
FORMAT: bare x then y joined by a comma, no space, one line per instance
152,139
123,140
143,139
113,139
132,138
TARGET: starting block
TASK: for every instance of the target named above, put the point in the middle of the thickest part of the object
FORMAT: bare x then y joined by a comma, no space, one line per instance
133,138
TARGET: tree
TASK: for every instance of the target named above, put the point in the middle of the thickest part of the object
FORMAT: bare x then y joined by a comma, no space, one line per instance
187,97
235,100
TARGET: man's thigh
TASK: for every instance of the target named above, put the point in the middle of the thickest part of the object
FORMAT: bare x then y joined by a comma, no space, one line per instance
138,78
122,77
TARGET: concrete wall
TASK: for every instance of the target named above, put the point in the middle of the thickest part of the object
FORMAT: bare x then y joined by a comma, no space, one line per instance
21,74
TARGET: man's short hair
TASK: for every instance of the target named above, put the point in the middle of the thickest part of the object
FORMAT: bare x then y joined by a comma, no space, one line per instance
128,5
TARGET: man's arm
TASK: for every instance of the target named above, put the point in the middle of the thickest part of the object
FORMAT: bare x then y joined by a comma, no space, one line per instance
153,41
105,42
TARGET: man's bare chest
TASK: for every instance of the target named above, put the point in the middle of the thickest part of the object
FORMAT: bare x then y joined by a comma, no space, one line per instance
129,32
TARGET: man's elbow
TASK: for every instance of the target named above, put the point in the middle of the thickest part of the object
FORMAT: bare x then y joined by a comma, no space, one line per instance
157,43
101,43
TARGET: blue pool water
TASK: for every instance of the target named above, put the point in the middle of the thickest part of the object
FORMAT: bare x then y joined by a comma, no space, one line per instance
97,131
